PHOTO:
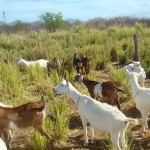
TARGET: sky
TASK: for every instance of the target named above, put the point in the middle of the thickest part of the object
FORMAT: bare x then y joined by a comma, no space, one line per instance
30,10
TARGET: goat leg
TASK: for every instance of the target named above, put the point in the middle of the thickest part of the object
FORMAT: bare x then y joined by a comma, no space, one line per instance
117,102
6,136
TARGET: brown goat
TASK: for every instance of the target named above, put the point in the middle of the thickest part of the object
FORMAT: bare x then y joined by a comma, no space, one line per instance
86,64
83,64
31,114
107,90
54,63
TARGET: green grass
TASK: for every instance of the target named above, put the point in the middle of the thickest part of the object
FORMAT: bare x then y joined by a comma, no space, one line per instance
39,142
117,75
61,115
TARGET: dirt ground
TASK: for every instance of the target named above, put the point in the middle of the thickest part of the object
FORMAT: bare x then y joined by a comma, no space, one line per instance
101,140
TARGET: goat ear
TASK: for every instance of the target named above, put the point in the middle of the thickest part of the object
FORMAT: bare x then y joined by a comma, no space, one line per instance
67,82
85,76
89,58
138,74
63,79
128,72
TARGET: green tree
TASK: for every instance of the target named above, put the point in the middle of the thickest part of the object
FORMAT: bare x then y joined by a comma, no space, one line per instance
52,21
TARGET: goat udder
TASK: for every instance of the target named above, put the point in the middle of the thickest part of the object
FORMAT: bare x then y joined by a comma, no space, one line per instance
13,126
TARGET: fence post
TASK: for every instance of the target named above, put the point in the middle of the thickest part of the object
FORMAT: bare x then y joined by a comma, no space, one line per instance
136,54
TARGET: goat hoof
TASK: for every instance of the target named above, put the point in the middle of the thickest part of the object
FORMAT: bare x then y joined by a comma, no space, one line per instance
92,141
143,133
9,147
85,144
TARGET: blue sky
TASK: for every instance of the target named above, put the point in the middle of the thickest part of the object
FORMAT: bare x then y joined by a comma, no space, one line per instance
30,10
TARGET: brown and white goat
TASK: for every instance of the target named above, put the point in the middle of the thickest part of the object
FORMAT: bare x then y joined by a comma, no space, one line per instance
107,90
31,114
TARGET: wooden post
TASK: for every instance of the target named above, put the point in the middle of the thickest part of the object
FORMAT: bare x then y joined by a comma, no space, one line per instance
136,54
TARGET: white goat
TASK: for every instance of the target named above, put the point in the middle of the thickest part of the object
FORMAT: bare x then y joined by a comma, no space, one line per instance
135,66
100,115
2,145
41,62
142,98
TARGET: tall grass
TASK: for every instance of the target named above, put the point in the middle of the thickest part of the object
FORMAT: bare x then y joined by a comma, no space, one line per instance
97,44
10,80
36,74
61,115
117,75
55,77
39,142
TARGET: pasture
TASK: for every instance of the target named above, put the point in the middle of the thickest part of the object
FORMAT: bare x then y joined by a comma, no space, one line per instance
105,47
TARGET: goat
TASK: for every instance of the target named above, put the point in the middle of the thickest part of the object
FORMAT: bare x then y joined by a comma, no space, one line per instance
5,132
2,145
107,90
41,62
31,114
142,98
55,63
100,115
86,64
77,63
135,66
82,64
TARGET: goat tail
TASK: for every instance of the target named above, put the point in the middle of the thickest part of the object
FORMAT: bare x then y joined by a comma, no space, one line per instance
133,121
42,103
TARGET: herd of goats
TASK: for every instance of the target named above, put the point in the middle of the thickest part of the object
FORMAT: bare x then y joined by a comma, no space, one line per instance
100,115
